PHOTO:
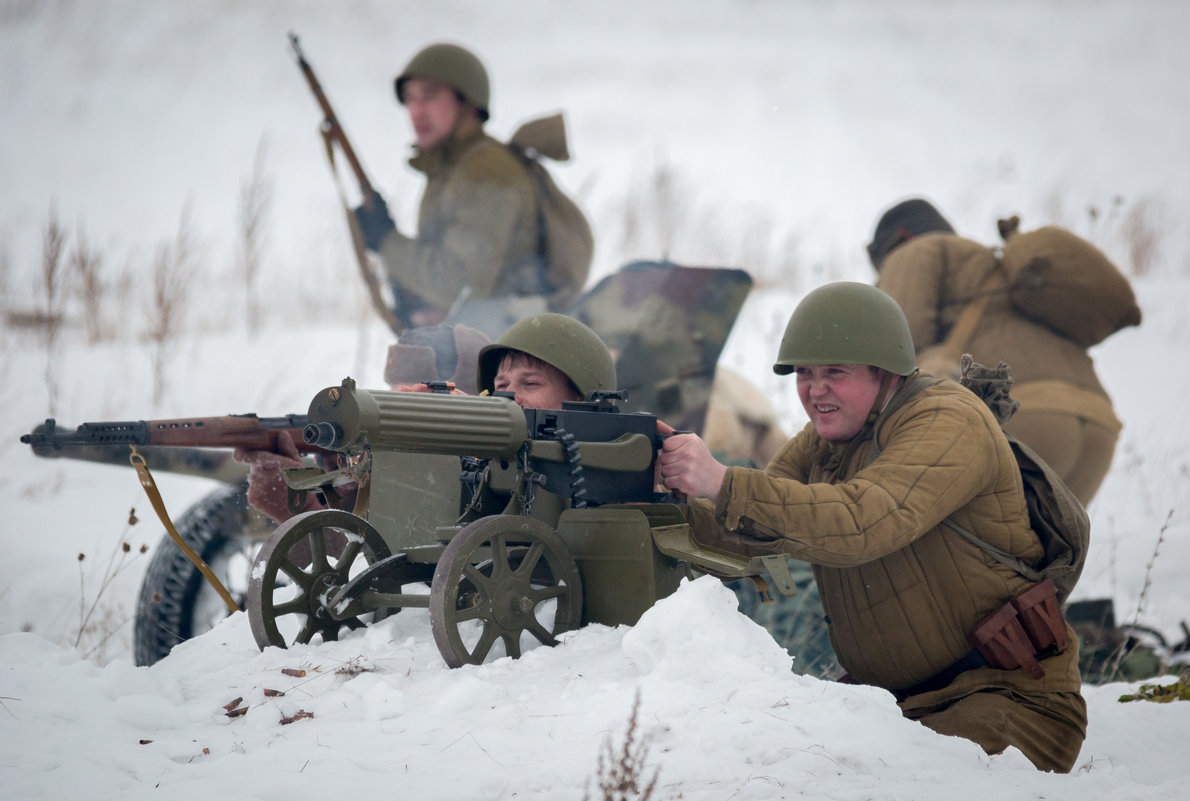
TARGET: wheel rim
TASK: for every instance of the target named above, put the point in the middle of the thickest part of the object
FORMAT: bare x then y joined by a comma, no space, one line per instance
232,563
502,577
299,567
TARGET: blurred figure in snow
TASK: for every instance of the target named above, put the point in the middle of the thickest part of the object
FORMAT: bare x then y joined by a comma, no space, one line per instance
481,225
959,299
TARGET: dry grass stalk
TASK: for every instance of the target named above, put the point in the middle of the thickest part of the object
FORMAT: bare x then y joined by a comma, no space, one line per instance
1122,652
86,264
97,622
622,776
1140,231
5,272
661,217
668,201
255,201
173,272
52,290
653,213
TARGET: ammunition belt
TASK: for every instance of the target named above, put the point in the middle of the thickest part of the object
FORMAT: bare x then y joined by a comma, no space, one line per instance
1019,634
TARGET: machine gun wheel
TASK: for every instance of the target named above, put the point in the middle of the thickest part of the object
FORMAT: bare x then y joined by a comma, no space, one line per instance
301,565
499,578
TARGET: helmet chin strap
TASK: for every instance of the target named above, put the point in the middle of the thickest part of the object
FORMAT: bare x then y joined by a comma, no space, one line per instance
883,396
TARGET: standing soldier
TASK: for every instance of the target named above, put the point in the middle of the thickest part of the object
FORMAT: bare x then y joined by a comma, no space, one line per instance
481,230
959,298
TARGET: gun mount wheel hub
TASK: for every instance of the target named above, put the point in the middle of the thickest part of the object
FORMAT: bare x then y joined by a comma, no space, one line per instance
501,577
301,565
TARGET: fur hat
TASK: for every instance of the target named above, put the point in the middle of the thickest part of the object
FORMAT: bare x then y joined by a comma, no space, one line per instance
436,353
902,222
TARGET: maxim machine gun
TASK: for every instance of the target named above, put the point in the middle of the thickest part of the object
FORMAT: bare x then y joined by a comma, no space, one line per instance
525,523
667,324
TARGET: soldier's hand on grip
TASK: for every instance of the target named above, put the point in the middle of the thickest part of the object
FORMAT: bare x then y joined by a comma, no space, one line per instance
267,491
686,465
375,222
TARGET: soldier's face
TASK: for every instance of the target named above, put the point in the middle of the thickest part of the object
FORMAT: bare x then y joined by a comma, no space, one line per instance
433,108
837,397
535,384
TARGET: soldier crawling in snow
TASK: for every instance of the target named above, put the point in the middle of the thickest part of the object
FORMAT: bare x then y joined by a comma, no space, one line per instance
963,297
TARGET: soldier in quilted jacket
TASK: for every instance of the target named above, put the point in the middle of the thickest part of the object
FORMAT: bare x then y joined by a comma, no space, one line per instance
861,494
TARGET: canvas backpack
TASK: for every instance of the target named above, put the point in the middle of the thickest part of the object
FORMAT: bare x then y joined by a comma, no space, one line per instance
565,241
1065,283
1055,514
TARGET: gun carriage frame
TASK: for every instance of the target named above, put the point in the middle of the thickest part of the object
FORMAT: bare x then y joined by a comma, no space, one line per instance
668,324
523,523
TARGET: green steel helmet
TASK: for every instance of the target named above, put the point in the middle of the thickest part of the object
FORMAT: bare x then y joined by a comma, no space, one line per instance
557,340
847,323
902,222
452,65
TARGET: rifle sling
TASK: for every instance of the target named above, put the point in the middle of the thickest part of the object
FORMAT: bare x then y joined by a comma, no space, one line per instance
150,488
361,250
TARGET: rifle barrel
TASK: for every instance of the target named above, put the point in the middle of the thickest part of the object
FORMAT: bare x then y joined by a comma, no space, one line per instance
231,431
331,126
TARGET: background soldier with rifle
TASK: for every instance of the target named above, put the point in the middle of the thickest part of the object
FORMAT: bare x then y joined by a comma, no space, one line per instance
491,223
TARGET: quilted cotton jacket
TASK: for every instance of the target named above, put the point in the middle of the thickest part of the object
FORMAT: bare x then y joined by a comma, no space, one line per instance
902,591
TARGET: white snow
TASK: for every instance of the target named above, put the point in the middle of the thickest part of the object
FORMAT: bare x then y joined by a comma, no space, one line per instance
788,128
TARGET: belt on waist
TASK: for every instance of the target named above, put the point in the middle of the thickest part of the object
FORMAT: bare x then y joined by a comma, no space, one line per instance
944,677
1019,634
1062,396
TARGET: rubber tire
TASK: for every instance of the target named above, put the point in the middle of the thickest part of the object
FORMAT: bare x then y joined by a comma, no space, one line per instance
165,610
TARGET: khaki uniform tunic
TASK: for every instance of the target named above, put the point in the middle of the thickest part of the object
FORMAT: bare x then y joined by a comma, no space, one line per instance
477,226
901,590
1065,415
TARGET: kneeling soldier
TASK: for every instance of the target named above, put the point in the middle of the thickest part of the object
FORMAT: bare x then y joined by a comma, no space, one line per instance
862,493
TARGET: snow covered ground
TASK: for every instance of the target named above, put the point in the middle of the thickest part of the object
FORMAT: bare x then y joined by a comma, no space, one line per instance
787,127
721,716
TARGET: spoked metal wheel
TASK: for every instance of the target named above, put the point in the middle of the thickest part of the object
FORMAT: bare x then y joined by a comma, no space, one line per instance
502,577
300,567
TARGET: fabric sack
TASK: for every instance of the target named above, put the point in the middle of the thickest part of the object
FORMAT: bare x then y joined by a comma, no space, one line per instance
1064,282
566,243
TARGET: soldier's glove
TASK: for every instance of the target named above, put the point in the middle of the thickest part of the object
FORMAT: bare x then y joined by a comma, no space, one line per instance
375,223
267,491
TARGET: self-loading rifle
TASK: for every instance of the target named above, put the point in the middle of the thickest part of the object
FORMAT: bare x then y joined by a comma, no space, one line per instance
107,440
246,431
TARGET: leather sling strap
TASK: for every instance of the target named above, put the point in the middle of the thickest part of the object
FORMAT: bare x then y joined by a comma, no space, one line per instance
150,487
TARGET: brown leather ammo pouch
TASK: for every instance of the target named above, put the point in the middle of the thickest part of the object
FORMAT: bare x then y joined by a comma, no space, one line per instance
1027,628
